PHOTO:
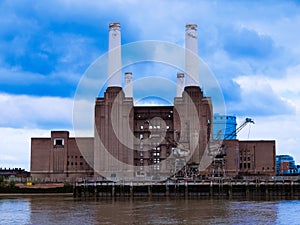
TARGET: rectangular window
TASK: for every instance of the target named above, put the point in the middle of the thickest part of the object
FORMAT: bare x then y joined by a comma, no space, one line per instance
156,160
156,167
156,153
59,142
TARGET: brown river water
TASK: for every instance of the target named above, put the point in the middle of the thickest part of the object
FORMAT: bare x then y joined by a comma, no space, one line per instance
67,210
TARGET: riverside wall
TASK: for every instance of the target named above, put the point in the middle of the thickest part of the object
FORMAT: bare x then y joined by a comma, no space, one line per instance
205,189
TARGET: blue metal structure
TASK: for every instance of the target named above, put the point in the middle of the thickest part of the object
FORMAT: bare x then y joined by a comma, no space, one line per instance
224,127
285,164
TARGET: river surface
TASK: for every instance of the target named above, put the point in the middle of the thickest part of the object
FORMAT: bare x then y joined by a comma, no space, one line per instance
67,210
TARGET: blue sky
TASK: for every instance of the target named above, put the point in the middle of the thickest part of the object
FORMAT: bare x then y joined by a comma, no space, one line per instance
252,47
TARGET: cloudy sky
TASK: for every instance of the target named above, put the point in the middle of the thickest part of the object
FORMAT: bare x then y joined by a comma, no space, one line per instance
252,48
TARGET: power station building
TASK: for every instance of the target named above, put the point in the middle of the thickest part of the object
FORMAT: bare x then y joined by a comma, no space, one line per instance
143,142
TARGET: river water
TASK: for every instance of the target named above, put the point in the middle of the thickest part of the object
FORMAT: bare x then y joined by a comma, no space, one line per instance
67,210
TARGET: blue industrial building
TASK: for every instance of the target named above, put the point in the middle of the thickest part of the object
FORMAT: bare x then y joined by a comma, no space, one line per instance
285,164
224,127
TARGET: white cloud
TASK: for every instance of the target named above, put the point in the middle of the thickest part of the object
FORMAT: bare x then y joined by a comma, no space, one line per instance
260,98
15,146
289,84
161,20
15,151
281,128
26,111
284,92
283,28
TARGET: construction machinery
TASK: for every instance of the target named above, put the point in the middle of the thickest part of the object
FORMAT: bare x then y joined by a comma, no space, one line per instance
218,151
178,157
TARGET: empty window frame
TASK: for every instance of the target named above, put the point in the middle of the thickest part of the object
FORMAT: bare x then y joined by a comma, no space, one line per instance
59,142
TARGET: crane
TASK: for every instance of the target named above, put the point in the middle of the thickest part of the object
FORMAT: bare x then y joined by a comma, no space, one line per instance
235,132
217,149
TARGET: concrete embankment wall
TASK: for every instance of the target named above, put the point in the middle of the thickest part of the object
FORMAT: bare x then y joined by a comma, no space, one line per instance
187,189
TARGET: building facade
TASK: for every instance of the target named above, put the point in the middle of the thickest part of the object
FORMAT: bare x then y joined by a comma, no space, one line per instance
144,142
58,158
285,164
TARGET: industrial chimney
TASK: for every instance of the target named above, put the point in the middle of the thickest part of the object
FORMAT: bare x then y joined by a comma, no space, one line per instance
128,84
180,84
191,55
114,56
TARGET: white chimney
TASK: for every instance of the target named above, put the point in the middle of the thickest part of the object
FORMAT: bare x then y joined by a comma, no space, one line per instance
114,56
128,84
191,55
180,84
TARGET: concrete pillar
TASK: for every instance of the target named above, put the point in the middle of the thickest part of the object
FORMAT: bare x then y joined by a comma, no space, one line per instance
230,190
149,190
128,85
180,84
114,56
247,190
186,189
191,55
113,190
